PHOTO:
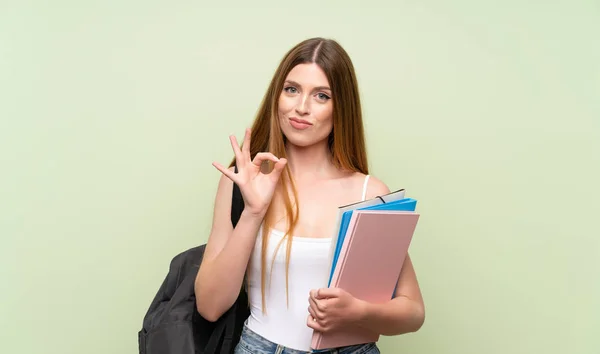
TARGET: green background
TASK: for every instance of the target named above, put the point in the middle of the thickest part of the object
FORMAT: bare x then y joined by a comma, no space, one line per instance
487,112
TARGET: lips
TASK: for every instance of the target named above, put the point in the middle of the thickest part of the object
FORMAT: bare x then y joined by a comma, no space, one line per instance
300,121
299,124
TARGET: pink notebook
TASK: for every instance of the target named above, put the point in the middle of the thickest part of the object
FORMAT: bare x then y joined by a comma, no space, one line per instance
369,265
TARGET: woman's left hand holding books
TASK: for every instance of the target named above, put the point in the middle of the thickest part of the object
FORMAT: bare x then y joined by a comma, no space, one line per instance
333,308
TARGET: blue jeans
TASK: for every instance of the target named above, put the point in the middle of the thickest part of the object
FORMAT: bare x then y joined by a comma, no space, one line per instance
252,343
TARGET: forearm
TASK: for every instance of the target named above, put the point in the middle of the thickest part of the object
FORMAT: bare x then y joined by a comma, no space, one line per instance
219,280
397,316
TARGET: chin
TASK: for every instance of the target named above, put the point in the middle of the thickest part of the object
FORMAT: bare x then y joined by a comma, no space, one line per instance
303,143
297,138
303,138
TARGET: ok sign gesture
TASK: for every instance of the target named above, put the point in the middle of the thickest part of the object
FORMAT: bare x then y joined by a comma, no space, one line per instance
257,188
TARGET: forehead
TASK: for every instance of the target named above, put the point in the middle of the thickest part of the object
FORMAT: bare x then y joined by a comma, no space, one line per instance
308,75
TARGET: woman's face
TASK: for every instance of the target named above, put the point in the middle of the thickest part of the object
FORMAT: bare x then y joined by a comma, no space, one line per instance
305,106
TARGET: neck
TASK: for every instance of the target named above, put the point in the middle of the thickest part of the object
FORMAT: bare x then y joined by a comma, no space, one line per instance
312,162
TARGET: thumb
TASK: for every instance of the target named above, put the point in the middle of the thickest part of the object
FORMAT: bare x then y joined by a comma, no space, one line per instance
278,168
326,293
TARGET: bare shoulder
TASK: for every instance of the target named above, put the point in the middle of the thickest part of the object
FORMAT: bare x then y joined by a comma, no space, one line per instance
376,187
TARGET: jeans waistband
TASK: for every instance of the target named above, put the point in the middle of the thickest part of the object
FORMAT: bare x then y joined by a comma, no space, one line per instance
254,342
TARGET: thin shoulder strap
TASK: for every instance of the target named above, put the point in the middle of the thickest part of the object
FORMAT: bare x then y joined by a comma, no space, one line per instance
364,192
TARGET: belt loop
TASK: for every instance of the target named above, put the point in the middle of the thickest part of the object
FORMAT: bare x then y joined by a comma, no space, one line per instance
279,349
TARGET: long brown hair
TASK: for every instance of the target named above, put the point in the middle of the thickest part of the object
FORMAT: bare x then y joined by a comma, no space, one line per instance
346,141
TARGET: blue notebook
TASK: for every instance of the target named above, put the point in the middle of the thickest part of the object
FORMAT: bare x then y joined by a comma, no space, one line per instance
406,204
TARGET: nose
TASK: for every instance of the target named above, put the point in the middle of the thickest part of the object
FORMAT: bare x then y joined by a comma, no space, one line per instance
302,108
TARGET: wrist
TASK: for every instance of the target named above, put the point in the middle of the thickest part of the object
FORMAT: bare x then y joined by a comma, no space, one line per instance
362,310
252,215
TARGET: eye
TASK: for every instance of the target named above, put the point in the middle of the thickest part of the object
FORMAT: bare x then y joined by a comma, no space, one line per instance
290,89
323,96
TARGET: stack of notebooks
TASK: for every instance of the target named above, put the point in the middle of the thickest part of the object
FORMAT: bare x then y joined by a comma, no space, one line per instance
368,249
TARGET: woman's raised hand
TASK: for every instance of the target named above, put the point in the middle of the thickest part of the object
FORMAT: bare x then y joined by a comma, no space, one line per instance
257,188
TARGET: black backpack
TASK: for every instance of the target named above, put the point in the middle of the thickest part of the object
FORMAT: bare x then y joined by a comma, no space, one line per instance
173,325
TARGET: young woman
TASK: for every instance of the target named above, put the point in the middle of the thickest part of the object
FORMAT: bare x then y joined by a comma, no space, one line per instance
303,158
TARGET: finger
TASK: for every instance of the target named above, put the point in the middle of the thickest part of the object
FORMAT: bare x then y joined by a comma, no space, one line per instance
320,307
312,313
314,324
264,156
224,170
316,309
239,159
246,144
278,168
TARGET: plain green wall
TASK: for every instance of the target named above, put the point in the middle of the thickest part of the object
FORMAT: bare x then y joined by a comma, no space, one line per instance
487,112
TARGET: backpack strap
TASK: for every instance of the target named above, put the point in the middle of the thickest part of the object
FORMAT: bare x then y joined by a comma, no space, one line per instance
237,203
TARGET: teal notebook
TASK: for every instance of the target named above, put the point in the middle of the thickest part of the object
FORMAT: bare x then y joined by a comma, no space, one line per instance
406,204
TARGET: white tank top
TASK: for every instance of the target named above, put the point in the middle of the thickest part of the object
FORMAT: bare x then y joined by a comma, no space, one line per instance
307,270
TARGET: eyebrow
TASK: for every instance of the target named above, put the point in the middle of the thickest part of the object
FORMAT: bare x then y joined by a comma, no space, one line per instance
316,88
